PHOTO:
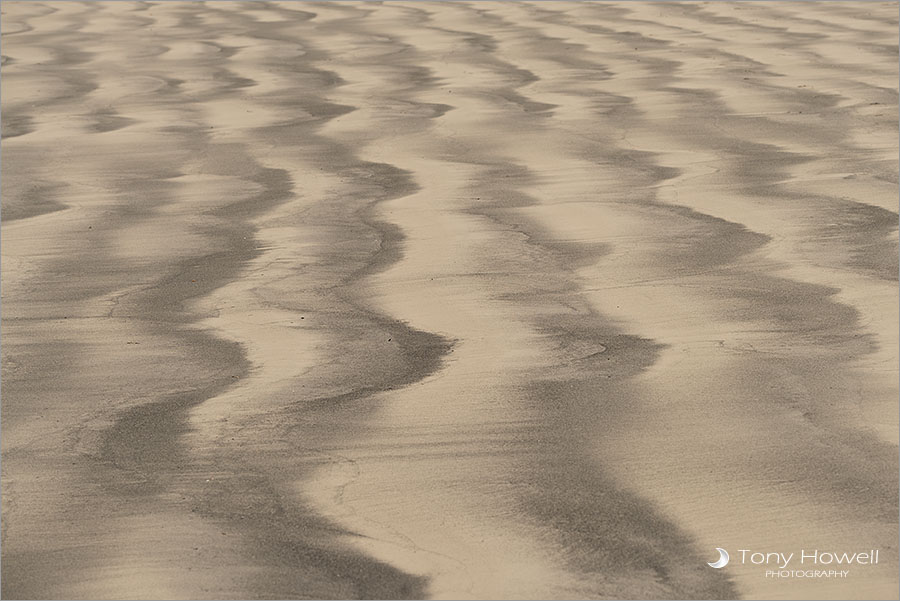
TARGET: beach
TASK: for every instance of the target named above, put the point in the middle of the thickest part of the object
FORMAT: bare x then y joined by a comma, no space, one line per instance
453,300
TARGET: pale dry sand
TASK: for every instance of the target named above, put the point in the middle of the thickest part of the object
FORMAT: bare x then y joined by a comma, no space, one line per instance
452,300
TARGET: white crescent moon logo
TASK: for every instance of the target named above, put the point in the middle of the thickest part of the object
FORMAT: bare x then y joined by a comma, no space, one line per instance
723,559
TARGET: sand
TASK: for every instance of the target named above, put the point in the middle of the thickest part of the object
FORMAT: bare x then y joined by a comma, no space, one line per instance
447,299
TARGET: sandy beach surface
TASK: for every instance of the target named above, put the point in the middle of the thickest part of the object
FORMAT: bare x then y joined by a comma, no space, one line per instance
448,299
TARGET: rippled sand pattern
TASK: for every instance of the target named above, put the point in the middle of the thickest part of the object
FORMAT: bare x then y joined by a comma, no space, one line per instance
447,299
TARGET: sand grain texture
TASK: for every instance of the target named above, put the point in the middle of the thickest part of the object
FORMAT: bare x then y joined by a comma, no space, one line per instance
447,299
